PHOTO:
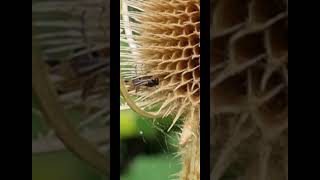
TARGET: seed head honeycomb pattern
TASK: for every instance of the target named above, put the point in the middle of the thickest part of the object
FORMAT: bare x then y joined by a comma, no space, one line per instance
166,41
249,90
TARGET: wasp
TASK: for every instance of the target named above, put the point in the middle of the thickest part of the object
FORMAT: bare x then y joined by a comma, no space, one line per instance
146,81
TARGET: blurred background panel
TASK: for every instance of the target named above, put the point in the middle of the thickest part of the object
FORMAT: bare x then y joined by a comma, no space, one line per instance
249,89
73,37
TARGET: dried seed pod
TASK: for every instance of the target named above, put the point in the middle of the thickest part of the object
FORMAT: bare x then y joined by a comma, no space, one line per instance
249,84
164,43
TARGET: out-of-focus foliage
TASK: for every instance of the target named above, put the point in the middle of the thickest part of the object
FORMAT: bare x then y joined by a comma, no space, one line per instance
61,166
157,167
153,157
58,165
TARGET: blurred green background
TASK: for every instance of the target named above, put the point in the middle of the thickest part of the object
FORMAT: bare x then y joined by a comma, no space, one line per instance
146,150
61,165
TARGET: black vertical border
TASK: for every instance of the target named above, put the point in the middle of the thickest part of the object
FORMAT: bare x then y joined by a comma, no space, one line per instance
205,89
114,89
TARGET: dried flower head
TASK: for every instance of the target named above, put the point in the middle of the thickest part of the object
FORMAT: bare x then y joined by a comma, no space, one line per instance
163,40
249,84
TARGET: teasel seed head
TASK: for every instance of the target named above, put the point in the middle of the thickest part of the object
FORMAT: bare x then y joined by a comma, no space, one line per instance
163,40
249,85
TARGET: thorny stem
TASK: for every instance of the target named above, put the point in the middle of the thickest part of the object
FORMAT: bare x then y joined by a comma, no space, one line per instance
190,147
55,116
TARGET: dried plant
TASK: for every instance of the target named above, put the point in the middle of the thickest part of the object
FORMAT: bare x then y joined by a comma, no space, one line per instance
161,47
249,86
73,38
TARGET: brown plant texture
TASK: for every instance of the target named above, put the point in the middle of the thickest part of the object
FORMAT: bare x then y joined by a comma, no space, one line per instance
249,90
163,40
73,37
